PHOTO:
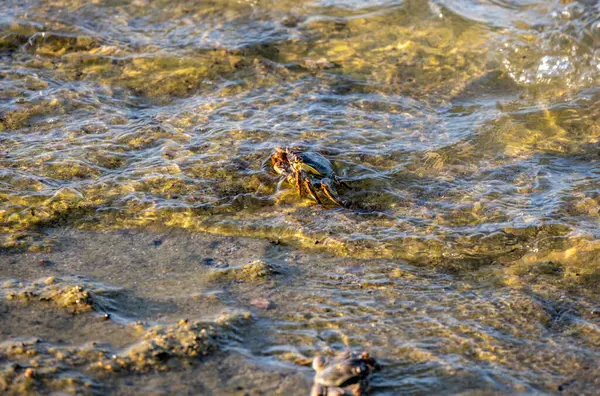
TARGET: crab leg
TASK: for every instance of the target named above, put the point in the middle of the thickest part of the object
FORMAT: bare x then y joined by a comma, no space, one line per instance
280,182
329,192
299,182
311,190
340,182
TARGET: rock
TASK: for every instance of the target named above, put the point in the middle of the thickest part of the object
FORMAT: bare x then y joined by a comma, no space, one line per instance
261,302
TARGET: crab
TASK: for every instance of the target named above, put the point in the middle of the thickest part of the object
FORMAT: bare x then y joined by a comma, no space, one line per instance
307,171
345,374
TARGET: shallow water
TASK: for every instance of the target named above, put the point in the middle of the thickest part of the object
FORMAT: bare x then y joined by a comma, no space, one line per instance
134,139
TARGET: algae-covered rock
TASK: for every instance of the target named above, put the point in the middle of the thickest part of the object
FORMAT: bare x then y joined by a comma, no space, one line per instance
36,366
27,240
74,294
15,379
165,347
255,271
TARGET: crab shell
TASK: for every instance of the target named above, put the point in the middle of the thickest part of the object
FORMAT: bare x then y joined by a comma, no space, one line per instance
341,369
286,160
315,164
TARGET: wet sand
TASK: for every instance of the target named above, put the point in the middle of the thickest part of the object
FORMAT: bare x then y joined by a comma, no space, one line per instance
153,278
433,331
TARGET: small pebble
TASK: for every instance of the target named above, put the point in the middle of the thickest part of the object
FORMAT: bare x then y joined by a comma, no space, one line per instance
262,302
157,242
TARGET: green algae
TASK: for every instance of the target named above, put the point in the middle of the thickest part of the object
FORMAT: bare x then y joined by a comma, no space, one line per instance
575,266
416,61
20,118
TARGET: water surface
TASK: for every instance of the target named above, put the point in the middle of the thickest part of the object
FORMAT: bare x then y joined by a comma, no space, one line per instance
134,137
